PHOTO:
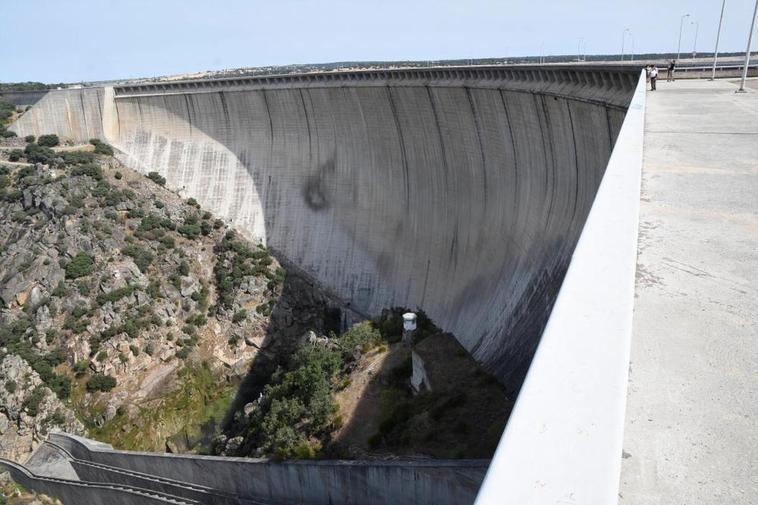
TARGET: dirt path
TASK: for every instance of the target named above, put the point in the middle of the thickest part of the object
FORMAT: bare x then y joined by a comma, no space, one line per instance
359,403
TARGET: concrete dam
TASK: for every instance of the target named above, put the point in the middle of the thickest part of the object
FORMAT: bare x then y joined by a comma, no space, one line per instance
458,191
462,191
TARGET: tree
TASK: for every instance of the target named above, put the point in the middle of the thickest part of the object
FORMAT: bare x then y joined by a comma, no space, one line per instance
50,140
101,382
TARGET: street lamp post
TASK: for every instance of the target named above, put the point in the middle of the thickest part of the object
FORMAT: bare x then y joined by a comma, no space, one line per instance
694,44
579,49
623,41
747,52
718,35
631,36
679,45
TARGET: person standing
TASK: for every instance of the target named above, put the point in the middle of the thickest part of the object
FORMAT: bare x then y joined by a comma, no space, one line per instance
653,77
670,72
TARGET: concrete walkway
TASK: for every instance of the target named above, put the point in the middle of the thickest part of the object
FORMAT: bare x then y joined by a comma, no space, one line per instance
691,433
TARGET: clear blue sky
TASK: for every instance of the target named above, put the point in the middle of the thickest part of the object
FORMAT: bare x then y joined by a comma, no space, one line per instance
83,40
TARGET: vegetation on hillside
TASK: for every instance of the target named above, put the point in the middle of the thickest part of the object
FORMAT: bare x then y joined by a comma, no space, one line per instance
108,276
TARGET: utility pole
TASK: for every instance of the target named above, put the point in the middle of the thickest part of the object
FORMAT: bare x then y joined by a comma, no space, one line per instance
579,50
694,44
623,40
718,35
679,45
747,52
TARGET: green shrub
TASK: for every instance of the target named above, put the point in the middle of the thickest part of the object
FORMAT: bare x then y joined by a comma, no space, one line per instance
193,202
205,228
239,316
51,140
363,336
32,402
157,178
101,147
89,169
60,290
77,157
115,295
118,175
35,153
15,155
81,367
184,268
55,419
60,385
101,382
29,139
167,241
10,387
299,397
81,265
142,257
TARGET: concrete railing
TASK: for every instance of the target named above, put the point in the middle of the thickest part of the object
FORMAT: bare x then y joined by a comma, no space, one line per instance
395,482
564,438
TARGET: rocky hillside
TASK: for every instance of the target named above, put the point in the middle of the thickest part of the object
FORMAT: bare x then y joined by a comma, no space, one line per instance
124,306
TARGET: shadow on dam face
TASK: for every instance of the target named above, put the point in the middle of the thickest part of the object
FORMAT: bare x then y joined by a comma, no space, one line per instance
460,191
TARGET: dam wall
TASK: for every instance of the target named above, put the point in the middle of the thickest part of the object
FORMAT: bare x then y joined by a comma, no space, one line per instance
460,191
23,98
72,114
319,482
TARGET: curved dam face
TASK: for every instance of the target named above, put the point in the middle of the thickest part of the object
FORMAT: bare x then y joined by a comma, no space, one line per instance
458,191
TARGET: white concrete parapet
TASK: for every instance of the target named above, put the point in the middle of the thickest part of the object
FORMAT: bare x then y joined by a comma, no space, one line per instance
564,438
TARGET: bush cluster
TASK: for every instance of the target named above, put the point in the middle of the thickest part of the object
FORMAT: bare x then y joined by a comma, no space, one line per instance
77,157
102,148
157,178
235,261
297,405
32,402
115,295
35,153
89,169
81,265
141,256
13,335
101,382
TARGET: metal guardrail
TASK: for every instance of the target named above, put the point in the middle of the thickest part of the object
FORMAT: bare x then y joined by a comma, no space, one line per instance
718,67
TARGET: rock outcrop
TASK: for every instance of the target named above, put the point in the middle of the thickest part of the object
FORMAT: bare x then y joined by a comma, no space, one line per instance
28,410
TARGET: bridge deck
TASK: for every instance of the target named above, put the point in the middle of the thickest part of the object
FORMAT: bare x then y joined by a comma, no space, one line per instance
692,415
